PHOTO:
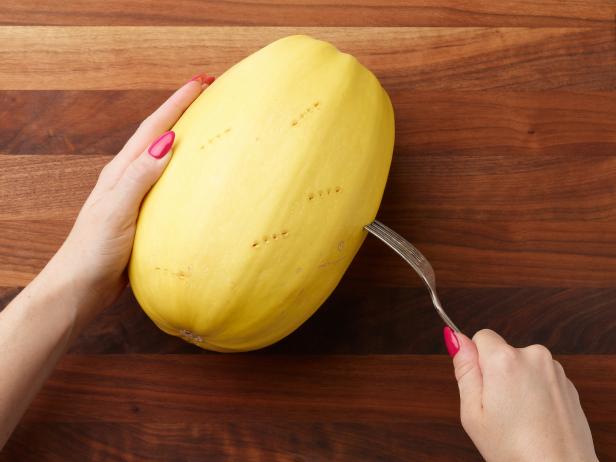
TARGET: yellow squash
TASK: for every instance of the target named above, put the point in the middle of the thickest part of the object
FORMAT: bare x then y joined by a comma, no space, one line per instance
276,168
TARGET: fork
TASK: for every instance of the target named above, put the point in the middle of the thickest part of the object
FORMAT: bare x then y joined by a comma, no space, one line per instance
414,258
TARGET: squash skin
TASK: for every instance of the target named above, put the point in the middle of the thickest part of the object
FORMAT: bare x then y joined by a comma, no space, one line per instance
276,168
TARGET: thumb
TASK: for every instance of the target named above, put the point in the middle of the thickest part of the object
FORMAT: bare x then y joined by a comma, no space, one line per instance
141,174
468,372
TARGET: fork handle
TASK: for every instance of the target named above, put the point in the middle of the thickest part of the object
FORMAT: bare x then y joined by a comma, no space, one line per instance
441,312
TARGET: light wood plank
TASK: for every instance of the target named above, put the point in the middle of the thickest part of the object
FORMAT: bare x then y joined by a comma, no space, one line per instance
301,13
83,58
471,187
465,253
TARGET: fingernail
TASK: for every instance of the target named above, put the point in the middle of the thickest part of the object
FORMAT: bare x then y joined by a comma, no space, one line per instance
198,77
451,341
203,79
159,148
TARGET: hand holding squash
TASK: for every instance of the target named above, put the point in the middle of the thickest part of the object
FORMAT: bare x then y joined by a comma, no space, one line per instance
88,272
97,250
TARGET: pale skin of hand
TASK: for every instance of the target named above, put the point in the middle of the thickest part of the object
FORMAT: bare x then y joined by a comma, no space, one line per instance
517,404
89,270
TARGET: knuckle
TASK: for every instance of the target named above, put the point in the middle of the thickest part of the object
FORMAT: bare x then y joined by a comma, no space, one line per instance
176,106
105,173
505,356
462,370
146,123
538,353
136,171
140,170
483,333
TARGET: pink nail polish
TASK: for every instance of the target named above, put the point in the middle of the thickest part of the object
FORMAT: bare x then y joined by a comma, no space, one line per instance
197,77
451,341
159,148
203,79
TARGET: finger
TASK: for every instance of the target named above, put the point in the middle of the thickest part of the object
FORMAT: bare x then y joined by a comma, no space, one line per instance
498,360
159,121
488,342
468,374
143,172
165,116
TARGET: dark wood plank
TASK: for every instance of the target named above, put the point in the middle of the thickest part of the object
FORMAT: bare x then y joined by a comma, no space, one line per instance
72,122
380,320
230,388
370,320
248,441
445,59
427,122
366,393
301,13
242,441
508,123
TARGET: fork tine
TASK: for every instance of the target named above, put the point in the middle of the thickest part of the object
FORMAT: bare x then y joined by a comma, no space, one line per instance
413,257
409,248
405,249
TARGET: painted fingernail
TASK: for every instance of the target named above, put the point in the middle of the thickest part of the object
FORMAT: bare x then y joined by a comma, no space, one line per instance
203,79
159,148
451,341
197,77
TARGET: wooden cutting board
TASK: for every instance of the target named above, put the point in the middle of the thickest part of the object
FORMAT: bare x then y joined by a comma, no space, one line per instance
504,175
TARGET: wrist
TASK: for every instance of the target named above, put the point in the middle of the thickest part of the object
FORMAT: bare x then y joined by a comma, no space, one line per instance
64,287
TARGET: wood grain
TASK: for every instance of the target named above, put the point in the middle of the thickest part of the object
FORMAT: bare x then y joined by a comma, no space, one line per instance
504,176
255,441
482,220
48,58
428,122
382,393
392,320
465,254
242,441
463,186
300,13
278,388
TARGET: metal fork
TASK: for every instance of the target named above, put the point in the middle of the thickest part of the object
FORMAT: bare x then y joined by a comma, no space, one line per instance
414,258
